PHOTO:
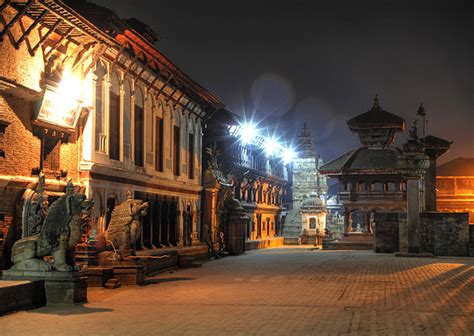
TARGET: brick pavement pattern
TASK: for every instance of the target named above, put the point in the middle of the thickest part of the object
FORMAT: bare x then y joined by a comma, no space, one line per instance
280,291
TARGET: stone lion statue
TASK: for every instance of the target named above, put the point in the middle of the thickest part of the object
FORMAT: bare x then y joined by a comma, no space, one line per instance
59,235
125,227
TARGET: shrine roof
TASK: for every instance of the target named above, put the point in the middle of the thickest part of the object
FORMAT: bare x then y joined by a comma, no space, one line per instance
457,167
364,161
433,141
376,118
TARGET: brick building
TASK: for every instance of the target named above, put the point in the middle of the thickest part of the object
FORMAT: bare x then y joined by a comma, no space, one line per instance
87,96
455,186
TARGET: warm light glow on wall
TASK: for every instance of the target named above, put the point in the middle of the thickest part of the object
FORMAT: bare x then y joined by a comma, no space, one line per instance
61,106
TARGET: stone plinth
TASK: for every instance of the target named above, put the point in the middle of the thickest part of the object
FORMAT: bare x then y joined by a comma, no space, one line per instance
128,272
445,233
386,234
98,276
59,287
21,295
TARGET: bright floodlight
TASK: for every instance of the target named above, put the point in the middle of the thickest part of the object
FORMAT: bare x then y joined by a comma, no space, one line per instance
248,132
288,155
271,146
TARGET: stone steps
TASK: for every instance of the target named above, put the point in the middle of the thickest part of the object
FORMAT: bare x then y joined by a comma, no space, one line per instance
112,284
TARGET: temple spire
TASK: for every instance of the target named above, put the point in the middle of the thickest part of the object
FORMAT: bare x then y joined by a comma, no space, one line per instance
376,105
421,113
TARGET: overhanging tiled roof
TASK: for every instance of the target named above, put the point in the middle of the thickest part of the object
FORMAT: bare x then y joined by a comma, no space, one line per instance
364,161
457,167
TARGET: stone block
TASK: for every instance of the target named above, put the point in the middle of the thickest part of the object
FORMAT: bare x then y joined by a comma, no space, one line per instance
445,233
98,276
386,233
21,295
59,287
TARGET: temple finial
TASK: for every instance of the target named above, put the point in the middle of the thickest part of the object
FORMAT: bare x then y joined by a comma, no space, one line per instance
376,102
421,111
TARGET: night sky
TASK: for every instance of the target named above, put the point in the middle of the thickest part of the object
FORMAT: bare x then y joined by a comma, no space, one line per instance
322,62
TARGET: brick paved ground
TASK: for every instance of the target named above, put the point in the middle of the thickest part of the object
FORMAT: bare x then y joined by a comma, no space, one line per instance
284,291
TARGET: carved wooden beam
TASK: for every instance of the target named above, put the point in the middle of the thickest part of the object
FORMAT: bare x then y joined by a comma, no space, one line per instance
17,17
58,42
137,76
172,94
30,28
134,60
149,87
122,48
160,91
45,36
82,51
4,4
101,50
177,101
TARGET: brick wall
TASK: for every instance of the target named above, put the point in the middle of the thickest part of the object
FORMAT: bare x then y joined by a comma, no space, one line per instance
444,233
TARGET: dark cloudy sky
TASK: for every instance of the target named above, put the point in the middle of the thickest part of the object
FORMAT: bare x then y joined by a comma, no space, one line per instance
323,61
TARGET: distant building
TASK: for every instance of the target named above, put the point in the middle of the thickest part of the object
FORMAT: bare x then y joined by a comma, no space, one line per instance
368,179
258,178
307,210
372,182
455,186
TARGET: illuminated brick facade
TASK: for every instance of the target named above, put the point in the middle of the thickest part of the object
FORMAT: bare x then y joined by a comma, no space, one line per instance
133,120
455,186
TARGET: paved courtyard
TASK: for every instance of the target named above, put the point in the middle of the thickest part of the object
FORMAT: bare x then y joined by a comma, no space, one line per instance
281,291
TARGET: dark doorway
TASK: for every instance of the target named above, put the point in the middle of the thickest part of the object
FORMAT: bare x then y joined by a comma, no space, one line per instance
173,220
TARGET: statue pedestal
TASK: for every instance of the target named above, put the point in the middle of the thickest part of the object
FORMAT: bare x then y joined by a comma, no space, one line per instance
128,272
60,287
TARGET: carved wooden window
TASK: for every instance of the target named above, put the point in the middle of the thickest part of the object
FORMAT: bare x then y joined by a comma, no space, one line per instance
99,107
377,186
312,223
114,118
191,156
139,129
176,149
159,144
127,104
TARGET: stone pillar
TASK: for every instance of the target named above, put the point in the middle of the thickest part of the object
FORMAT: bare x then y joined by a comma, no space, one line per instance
430,186
413,214
210,213
347,221
195,219
413,165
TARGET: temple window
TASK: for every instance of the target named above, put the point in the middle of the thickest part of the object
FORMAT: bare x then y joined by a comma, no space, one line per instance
99,107
377,186
114,118
191,156
139,129
127,103
360,186
176,148
390,186
312,223
159,144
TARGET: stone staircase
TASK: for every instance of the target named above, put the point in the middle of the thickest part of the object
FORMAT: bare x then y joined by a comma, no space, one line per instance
352,241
